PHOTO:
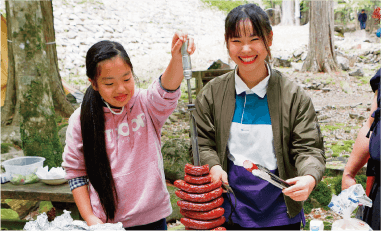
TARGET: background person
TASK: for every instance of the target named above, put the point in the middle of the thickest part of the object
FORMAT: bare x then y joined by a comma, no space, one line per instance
364,151
362,19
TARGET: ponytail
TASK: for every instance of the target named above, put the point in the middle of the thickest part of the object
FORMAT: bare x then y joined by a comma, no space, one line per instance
94,148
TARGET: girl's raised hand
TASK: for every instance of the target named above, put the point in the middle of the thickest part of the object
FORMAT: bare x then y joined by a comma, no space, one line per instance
177,41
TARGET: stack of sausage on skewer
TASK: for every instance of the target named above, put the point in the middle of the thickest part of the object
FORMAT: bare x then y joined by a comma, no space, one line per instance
201,199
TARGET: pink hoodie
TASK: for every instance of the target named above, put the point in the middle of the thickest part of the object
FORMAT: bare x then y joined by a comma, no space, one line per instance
134,148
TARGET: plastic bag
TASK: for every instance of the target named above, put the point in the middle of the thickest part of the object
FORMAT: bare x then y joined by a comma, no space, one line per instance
66,222
345,203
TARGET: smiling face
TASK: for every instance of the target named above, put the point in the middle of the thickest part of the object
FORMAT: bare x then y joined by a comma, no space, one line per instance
115,81
247,49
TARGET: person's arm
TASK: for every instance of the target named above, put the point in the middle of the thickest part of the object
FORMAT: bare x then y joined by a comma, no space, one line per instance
82,200
360,153
173,75
307,150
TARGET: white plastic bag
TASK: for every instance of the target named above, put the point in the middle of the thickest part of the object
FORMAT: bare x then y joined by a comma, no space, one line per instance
345,203
65,222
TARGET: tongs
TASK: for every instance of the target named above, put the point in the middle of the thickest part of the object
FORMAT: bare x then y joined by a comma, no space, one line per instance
265,174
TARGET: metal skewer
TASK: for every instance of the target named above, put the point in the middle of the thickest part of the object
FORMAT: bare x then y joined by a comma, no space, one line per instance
187,70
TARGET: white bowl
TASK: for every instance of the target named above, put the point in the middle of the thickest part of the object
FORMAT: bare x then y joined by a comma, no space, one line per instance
54,181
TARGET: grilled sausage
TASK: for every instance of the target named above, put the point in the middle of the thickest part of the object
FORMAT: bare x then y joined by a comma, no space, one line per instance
197,179
196,170
196,224
219,229
201,206
181,184
203,197
200,215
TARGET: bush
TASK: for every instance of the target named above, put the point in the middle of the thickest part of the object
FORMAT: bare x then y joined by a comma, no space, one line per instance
320,197
5,147
175,155
360,179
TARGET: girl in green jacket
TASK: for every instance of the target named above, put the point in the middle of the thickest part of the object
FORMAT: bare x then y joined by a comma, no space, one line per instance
260,205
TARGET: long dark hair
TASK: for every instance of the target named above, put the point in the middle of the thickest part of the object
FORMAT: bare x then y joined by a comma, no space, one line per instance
93,127
259,20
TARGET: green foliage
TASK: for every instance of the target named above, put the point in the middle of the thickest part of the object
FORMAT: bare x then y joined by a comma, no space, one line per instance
225,5
319,197
360,179
271,3
345,146
9,214
40,139
45,206
175,155
5,147
329,127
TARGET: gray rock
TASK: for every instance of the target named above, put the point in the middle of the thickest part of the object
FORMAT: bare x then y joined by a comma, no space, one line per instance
358,72
282,61
353,115
11,134
297,66
343,63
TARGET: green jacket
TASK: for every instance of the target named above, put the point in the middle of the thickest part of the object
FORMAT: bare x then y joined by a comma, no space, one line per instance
298,142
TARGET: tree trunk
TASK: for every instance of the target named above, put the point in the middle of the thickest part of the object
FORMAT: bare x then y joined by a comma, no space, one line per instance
33,80
61,106
321,50
371,23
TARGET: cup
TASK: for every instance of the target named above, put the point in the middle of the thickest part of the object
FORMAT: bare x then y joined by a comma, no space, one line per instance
316,225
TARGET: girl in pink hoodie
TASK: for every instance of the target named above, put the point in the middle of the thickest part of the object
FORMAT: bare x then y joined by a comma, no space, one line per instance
112,156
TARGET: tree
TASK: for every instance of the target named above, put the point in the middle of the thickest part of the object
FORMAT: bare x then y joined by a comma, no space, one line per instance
321,50
35,87
10,111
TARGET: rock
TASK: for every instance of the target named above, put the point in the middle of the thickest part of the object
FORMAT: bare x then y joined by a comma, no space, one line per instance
175,155
282,61
11,134
22,207
274,16
343,63
297,66
326,89
358,72
218,65
353,115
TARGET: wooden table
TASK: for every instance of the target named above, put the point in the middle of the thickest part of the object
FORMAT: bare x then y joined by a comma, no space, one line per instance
60,196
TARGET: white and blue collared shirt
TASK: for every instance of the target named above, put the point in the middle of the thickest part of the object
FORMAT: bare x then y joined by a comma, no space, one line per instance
251,136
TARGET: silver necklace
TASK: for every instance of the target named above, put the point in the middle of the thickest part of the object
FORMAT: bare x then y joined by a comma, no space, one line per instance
115,113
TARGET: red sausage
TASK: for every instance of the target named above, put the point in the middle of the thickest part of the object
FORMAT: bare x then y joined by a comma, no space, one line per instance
203,197
196,170
249,166
219,228
197,179
181,184
199,215
195,224
201,206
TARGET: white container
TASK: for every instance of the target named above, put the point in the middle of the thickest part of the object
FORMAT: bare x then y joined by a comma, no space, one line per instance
21,170
316,225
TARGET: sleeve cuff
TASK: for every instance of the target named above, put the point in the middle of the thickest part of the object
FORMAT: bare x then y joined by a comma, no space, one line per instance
169,91
78,182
